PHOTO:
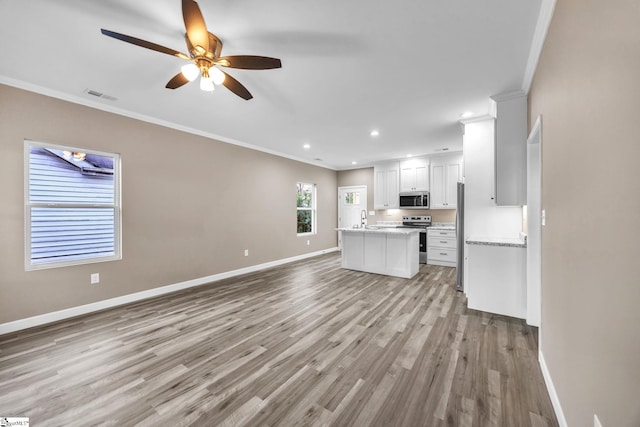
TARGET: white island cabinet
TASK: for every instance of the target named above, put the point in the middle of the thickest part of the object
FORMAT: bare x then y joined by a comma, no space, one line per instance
388,251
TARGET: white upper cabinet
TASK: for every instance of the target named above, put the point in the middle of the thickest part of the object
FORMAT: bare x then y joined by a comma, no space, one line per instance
511,149
385,186
414,175
446,172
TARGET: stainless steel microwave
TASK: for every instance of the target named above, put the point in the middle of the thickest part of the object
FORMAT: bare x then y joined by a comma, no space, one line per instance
414,200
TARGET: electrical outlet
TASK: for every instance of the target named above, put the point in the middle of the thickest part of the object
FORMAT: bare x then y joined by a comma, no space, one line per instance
95,278
308,242
372,213
246,252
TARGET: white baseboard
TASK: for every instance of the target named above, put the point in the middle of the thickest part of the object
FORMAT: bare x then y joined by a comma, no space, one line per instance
562,422
30,322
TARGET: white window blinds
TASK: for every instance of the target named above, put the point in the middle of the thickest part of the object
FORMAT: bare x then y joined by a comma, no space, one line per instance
72,208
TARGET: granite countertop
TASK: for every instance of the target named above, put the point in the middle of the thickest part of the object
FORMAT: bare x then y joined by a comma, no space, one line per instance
442,226
514,242
384,230
387,224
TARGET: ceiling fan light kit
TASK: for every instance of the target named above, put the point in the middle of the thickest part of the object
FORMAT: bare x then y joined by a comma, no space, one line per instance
206,84
190,71
204,55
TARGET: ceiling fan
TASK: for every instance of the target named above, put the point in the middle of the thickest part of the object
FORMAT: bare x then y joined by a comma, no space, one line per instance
204,55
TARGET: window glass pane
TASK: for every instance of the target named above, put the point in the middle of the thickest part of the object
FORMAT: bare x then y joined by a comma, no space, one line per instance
305,195
352,198
62,234
57,176
305,221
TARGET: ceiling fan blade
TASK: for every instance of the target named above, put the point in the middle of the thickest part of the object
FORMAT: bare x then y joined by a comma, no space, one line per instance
177,81
236,87
144,43
194,23
251,62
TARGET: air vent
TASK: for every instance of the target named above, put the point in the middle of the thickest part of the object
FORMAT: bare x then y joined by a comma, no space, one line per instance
100,95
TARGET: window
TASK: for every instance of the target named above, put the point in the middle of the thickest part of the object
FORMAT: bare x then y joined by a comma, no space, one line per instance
306,208
352,198
72,206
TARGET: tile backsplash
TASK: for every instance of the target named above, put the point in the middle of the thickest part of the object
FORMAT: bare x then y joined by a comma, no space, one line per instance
437,215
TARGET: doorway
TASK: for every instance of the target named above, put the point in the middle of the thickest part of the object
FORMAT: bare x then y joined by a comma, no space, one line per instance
534,216
352,201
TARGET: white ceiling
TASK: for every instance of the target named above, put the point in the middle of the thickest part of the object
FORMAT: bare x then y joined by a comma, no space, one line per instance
406,67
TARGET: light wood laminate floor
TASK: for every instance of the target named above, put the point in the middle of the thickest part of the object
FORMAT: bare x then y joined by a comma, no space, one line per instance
302,344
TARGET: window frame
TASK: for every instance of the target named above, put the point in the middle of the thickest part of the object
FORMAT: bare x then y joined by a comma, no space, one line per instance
28,206
312,209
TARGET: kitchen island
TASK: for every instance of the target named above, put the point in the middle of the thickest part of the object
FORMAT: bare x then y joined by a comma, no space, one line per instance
388,251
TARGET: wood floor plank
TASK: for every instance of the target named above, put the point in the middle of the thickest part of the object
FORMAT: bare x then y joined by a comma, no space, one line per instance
306,343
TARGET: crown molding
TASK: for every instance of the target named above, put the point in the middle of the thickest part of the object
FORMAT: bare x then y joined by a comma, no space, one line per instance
482,118
508,95
30,87
540,34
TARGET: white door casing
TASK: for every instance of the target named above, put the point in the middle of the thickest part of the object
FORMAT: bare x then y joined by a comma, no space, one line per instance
534,234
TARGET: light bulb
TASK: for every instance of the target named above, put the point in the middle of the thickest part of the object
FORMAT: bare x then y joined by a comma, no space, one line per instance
190,71
216,75
206,84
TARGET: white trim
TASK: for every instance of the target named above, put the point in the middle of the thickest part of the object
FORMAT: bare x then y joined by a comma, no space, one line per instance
555,401
534,129
476,119
30,322
539,36
508,95
534,195
142,117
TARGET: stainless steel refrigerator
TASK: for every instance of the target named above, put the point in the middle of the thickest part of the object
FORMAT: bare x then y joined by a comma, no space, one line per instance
460,238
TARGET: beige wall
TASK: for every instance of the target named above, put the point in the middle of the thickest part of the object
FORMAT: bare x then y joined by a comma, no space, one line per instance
191,205
587,90
364,176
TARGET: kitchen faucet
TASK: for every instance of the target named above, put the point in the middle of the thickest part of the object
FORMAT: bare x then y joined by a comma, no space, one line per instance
363,218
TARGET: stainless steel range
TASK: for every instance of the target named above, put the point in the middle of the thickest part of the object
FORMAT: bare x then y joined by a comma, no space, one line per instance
419,222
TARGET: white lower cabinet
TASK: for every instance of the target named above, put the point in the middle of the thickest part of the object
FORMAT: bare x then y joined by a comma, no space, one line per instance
441,247
497,280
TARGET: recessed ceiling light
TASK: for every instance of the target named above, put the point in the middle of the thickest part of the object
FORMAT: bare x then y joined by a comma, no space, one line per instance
306,146
374,133
466,114
409,155
354,163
